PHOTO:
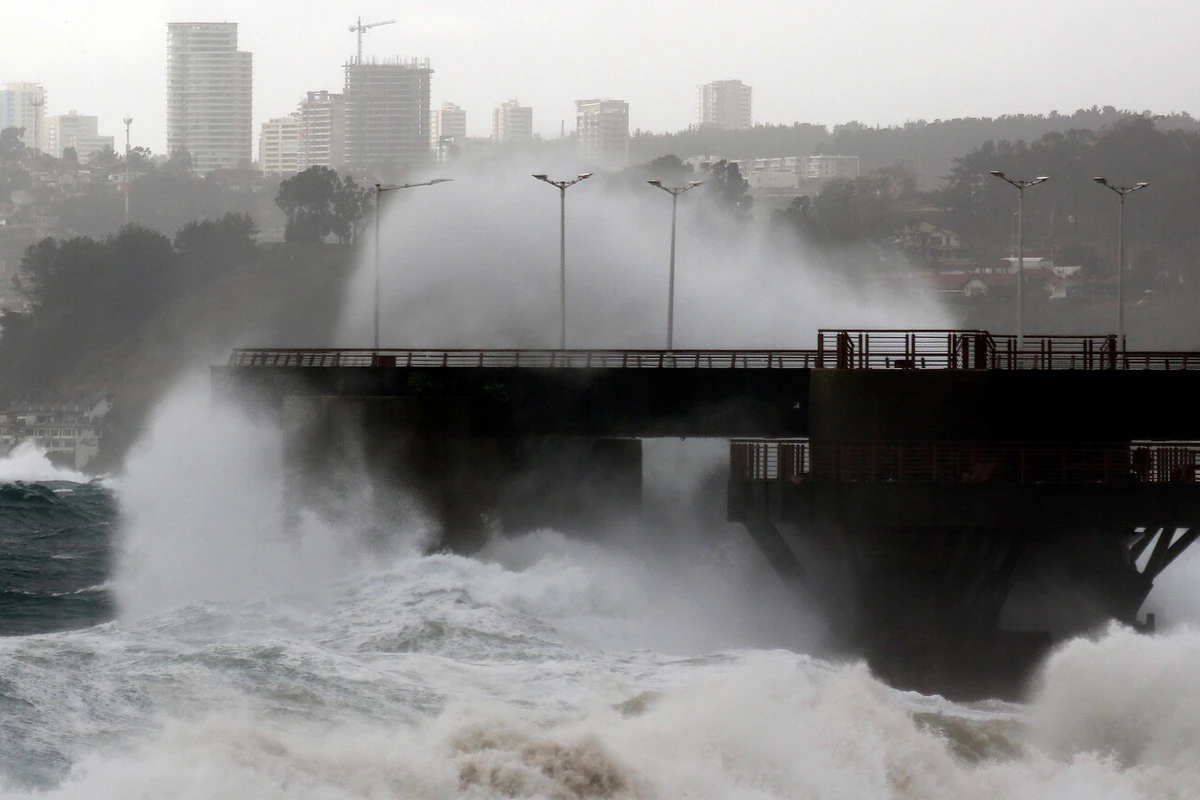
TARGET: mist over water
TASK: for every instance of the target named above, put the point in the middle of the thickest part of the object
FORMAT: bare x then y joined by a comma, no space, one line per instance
250,663
256,659
475,263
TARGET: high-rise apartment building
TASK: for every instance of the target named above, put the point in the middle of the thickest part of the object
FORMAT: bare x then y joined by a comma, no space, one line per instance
279,146
387,114
209,95
76,131
23,105
449,122
725,104
322,131
602,127
62,131
512,122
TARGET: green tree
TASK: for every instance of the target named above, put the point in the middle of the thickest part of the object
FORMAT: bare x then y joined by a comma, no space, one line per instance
211,248
179,162
728,191
12,144
139,159
350,206
104,158
318,203
850,211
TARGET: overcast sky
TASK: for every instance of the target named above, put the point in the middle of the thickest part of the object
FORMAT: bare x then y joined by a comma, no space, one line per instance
829,61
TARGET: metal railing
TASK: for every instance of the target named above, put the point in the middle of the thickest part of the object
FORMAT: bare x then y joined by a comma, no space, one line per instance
613,359
978,349
959,462
769,459
836,349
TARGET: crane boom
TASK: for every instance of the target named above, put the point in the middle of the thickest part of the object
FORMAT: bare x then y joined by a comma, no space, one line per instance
360,29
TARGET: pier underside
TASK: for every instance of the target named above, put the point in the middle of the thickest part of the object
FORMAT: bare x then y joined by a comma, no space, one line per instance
960,587
957,502
420,463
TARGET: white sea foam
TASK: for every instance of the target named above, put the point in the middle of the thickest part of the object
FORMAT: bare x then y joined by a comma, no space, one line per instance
266,700
28,463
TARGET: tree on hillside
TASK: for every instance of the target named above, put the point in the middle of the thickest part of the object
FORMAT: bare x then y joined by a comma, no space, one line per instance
12,144
104,158
350,206
317,203
212,248
728,190
83,294
1071,208
179,162
668,169
139,159
12,179
848,211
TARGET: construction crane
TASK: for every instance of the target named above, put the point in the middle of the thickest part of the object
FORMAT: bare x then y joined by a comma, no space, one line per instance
360,29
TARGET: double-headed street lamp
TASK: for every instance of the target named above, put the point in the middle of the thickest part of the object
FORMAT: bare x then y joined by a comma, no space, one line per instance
379,190
1121,192
1021,186
562,187
674,192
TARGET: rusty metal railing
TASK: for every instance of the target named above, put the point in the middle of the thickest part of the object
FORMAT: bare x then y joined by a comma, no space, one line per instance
957,462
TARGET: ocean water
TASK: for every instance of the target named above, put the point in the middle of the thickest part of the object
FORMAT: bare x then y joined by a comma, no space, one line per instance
164,637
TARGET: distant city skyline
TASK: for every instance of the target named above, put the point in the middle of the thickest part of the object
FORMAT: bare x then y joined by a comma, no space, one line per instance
878,64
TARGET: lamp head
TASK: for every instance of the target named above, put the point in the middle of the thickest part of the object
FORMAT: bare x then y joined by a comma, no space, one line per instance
1142,185
440,180
655,183
997,173
584,175
542,177
1042,178
694,183
1099,179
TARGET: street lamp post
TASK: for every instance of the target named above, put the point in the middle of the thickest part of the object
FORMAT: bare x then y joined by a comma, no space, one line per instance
1121,192
379,190
562,187
674,192
1021,186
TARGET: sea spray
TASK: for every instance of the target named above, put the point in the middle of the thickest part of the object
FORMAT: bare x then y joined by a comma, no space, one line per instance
28,463
202,516
474,263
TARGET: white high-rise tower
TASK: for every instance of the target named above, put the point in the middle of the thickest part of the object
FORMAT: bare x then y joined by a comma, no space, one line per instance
728,105
209,95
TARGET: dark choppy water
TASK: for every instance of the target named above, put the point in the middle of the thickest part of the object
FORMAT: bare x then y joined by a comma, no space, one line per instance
55,556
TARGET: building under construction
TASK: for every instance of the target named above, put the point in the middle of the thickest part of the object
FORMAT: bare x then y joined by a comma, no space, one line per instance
387,113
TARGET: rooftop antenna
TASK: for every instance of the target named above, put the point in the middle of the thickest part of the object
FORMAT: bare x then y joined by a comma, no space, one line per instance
37,106
360,29
128,186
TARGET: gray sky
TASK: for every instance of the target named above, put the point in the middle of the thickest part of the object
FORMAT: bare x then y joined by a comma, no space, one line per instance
876,61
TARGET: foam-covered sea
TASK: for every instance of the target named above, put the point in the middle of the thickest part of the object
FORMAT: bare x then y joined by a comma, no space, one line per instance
165,637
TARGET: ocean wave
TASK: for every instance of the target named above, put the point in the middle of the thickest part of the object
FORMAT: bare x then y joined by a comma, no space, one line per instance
495,694
28,463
